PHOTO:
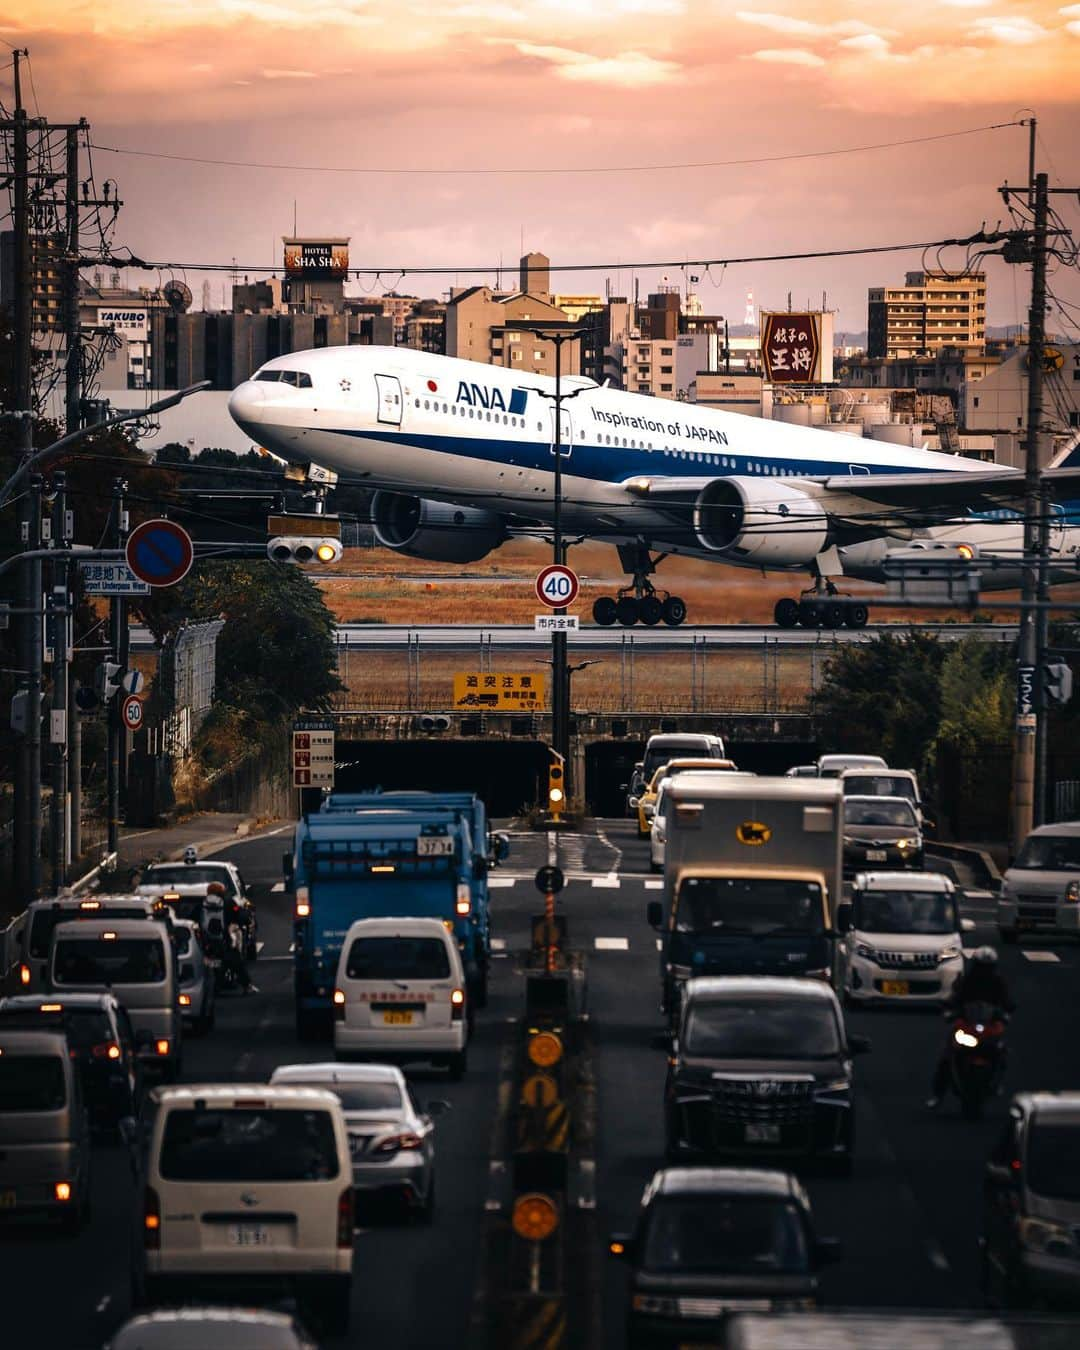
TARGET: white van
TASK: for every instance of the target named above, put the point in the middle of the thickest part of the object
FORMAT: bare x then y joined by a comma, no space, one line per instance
248,1186
400,993
832,766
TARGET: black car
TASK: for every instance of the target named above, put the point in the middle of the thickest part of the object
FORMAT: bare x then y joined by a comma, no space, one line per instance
100,1037
713,1242
761,1070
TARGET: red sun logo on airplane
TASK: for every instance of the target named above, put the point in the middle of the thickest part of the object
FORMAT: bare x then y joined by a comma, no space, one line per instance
433,386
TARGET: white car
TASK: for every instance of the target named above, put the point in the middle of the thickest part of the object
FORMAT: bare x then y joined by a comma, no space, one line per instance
904,938
197,995
211,1329
400,993
658,828
247,1186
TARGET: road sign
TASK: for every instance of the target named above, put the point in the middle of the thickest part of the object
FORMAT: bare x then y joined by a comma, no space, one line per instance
557,585
159,552
550,880
556,623
131,712
313,752
111,578
499,690
1025,692
133,681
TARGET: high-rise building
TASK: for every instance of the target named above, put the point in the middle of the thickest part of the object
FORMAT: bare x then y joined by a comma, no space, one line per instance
930,311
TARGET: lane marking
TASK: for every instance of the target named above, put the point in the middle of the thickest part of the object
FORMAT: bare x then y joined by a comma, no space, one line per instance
612,944
552,848
277,887
498,944
286,957
608,882
654,885
258,948
659,944
500,883
1039,956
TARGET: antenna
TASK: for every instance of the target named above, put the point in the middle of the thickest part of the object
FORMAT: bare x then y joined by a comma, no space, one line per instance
294,217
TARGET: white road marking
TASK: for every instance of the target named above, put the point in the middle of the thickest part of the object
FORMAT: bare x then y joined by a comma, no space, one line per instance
276,887
610,881
286,957
659,944
612,944
258,948
500,883
552,848
654,885
1040,956
498,944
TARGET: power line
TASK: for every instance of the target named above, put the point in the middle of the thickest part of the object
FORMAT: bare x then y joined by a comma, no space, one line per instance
535,171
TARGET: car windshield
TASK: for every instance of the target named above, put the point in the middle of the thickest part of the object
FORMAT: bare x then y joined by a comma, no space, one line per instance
1050,853
378,1096
885,812
31,1083
761,1028
662,751
737,1235
905,912
107,962
1053,1160
878,785
736,906
248,1144
188,874
398,958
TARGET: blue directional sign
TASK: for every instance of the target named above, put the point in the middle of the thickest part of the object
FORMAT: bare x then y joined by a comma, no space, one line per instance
159,552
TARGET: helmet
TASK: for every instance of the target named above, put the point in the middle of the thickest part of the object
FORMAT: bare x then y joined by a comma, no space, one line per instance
190,854
984,956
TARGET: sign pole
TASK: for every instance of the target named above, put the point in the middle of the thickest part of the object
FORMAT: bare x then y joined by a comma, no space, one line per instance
114,730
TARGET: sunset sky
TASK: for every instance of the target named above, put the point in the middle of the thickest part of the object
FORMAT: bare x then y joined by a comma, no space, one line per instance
585,85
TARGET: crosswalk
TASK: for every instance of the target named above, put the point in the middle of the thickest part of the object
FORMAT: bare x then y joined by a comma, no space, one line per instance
599,881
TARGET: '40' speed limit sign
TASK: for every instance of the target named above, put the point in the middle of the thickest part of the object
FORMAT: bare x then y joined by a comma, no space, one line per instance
557,586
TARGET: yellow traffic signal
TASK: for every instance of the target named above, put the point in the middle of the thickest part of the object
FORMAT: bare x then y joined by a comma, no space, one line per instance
556,784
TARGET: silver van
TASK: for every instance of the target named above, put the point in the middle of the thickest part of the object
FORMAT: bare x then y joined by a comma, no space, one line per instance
42,916
44,1135
1040,892
134,960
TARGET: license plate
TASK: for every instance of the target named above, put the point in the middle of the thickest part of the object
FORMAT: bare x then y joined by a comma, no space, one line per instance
435,846
762,1134
7,1199
397,1019
876,854
249,1235
895,987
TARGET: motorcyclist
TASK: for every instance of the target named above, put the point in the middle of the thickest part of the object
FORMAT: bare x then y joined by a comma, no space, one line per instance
981,982
232,959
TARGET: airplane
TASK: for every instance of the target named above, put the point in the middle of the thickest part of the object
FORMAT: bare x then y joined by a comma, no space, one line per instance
461,456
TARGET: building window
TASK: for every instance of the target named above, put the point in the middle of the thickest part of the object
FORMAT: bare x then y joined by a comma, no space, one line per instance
666,370
665,388
538,356
665,351
975,402
515,355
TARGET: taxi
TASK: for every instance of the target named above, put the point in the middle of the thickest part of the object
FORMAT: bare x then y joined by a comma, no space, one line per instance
645,805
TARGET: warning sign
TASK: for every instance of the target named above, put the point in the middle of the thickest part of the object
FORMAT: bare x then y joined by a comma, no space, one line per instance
500,691
313,754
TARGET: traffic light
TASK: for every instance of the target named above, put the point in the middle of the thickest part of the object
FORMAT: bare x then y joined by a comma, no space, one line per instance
556,783
1057,682
300,548
107,679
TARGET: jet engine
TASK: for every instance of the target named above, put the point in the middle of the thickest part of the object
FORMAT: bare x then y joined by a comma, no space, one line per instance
422,528
768,521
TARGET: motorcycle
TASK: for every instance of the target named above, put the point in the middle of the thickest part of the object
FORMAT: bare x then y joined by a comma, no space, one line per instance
976,1055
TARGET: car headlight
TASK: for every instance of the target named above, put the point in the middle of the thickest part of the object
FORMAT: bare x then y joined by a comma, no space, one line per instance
904,844
656,1305
950,953
1041,1235
864,950
849,840
1072,892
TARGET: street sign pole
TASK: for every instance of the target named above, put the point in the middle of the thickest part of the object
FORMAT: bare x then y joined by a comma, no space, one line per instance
114,729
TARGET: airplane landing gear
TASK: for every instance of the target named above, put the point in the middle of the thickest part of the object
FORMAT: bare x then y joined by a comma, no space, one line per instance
821,607
640,602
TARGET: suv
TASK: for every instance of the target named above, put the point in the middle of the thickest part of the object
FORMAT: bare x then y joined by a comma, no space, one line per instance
1040,892
710,1242
903,938
175,878
761,1069
1031,1212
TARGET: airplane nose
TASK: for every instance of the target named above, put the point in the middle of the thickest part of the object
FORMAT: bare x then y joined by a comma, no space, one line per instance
247,403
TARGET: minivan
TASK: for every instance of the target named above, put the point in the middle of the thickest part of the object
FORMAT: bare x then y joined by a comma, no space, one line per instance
400,993
135,961
42,916
247,1186
44,1136
1040,892
832,766
665,746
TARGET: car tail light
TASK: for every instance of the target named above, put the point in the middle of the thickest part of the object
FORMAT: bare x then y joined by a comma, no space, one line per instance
185,1000
345,1220
151,1220
303,902
62,1190
395,1143
463,905
161,1047
24,973
457,1004
105,1050
339,1005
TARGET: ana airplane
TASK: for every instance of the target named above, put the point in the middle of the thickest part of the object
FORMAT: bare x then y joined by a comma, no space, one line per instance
462,456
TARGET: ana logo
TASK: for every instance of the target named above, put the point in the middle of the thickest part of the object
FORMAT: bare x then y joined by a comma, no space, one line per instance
753,832
484,396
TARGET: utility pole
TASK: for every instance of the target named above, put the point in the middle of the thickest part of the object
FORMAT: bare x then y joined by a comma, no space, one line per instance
59,640
72,335
117,641
33,653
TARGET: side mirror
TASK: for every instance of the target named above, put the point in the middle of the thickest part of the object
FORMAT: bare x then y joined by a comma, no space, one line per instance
287,869
438,1107
187,973
634,803
621,1246
828,1250
859,1045
654,913
967,925
844,913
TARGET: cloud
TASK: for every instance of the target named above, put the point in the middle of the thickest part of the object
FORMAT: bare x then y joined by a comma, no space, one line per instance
871,43
202,67
273,74
788,56
782,23
1070,12
1014,30
967,4
632,69
1073,27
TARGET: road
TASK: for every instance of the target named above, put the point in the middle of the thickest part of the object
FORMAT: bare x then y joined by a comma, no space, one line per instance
908,1217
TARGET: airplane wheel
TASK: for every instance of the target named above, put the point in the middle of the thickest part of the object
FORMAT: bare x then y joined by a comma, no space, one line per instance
674,610
810,615
786,613
832,615
650,610
604,611
857,616
627,610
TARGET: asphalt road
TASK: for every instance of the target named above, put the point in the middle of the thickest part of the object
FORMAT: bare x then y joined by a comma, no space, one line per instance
909,1216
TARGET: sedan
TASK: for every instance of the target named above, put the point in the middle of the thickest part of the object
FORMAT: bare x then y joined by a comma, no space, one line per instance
881,833
391,1137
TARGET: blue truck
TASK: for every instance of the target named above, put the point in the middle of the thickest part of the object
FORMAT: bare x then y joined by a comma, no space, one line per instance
374,855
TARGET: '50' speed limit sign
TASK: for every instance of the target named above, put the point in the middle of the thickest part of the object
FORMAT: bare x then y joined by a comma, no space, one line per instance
557,586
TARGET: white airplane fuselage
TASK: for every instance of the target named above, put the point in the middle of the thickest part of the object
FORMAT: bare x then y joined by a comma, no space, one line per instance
483,438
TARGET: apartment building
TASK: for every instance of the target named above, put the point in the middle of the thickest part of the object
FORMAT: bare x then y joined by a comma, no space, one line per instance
930,311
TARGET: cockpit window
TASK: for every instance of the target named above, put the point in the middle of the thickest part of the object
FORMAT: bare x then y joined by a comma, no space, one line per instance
299,378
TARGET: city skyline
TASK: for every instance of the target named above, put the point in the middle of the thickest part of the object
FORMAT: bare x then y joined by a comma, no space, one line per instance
591,87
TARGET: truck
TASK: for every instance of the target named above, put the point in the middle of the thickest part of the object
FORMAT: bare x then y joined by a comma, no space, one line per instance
753,878
377,855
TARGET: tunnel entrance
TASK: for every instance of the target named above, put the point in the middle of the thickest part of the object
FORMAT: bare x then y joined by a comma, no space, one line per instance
608,766
508,776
